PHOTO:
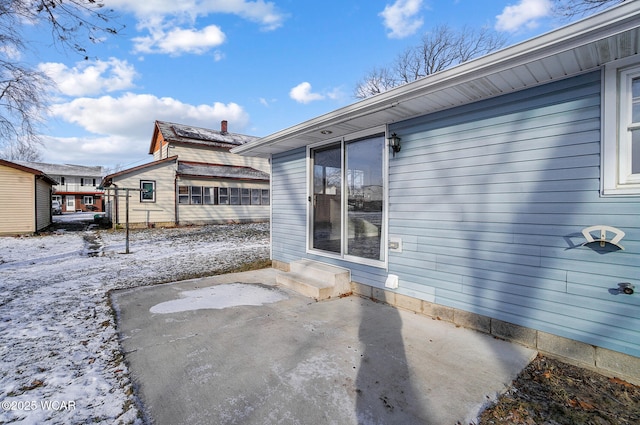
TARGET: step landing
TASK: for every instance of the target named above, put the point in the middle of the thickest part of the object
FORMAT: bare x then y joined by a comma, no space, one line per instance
316,280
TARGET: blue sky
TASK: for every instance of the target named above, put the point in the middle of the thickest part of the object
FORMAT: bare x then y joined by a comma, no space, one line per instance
261,65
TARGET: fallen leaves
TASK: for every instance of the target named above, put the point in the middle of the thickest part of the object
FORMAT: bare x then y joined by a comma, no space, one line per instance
552,392
35,384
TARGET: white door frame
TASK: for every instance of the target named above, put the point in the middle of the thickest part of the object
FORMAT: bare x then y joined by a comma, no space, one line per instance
70,203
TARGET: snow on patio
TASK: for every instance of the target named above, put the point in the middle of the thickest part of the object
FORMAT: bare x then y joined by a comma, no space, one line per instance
60,357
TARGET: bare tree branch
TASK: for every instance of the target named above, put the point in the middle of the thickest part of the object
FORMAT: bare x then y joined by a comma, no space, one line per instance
441,48
377,81
23,91
579,8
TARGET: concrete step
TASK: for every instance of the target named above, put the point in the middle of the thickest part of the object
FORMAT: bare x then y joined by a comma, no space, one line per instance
316,280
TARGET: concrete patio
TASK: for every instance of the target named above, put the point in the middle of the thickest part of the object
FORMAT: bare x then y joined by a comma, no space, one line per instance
198,356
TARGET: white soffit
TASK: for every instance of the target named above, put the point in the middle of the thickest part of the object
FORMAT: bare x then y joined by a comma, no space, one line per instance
577,48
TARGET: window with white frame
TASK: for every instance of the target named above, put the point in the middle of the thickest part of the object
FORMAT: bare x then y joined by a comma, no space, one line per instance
147,191
346,194
621,128
87,200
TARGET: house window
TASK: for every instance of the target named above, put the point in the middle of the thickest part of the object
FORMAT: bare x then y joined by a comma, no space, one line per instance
209,195
223,196
61,179
621,128
347,182
87,182
255,197
57,198
246,196
183,194
196,195
148,191
87,200
234,196
265,197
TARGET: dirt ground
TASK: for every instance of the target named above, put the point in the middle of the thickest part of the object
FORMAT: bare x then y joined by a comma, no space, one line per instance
550,392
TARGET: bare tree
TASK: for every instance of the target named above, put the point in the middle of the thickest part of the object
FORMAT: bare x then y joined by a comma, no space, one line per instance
23,99
574,8
377,81
439,49
22,151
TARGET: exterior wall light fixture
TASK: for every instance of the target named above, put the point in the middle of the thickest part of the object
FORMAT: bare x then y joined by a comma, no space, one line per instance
394,143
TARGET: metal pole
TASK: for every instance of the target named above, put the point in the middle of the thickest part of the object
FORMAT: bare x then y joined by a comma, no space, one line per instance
126,251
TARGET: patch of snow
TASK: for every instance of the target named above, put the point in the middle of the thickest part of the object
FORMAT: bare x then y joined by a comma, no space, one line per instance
60,359
75,216
219,297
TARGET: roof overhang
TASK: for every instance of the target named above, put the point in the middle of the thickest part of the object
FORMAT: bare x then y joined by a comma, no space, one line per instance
575,49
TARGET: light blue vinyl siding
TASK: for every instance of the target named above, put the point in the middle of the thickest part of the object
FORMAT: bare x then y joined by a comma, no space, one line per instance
288,205
490,200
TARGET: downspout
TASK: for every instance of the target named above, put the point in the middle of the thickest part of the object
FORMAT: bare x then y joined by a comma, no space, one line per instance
35,204
116,206
175,198
270,207
50,212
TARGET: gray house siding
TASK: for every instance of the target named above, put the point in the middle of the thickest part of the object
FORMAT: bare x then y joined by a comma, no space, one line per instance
490,200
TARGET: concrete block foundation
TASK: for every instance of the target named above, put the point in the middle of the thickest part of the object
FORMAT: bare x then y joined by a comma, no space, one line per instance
604,361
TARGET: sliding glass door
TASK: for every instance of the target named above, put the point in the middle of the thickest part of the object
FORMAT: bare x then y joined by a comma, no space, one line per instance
327,198
349,225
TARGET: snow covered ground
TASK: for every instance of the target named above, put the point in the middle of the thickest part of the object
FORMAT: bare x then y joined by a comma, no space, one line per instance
60,360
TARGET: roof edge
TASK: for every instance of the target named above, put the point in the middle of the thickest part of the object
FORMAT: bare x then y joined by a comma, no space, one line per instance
139,167
34,171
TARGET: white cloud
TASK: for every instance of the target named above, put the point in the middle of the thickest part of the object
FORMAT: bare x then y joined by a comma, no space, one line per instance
91,77
400,18
218,56
133,114
178,41
336,94
120,128
302,93
262,12
105,151
523,15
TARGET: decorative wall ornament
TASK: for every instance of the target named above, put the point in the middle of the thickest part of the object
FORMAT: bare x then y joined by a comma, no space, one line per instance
601,235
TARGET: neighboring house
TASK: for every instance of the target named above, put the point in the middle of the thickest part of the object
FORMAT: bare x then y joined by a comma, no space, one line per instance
77,188
194,179
504,162
25,199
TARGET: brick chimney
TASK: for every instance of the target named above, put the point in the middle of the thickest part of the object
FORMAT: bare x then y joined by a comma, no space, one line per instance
223,127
